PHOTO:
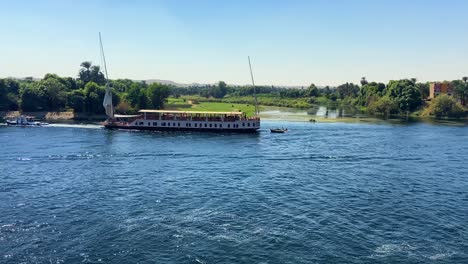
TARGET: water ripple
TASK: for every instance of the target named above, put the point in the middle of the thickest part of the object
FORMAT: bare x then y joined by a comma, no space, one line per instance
322,193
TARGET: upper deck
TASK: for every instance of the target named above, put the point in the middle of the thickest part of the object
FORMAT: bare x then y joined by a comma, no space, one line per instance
176,112
194,115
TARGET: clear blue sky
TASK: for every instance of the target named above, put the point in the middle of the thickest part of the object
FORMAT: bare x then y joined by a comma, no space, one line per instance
326,42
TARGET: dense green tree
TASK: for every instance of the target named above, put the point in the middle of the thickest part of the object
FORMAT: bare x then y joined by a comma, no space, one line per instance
292,93
96,75
94,96
157,95
55,92
461,90
91,73
137,96
84,73
68,82
445,106
347,90
33,98
423,89
384,106
369,93
405,94
219,90
76,100
222,88
121,85
312,91
9,94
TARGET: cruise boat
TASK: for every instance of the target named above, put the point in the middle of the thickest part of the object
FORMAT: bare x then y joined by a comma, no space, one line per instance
171,120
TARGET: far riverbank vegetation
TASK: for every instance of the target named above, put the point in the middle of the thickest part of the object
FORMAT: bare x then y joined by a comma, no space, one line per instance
85,94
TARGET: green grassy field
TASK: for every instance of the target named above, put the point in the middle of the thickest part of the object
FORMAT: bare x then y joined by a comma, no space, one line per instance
180,104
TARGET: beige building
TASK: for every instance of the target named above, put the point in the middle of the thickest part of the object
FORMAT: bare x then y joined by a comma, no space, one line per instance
438,88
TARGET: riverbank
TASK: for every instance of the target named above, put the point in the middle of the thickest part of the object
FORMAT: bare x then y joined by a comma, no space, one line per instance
54,116
317,113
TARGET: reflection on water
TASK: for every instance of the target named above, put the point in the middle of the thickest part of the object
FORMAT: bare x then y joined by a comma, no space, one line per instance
321,112
344,114
334,112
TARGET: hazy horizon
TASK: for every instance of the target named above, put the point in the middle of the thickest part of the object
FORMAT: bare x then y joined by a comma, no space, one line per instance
292,43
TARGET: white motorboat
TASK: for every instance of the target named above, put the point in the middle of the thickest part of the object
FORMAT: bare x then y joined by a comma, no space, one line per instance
25,121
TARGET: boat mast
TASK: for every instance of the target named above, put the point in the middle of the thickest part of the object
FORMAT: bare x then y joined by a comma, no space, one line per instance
107,103
253,84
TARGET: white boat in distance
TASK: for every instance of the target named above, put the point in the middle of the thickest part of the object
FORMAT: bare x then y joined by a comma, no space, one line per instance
25,121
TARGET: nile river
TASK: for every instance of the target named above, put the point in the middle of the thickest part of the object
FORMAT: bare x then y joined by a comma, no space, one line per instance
322,193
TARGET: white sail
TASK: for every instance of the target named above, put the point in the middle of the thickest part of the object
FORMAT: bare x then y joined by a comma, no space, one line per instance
107,103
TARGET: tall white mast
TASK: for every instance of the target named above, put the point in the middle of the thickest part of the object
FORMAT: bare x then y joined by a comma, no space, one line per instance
253,84
107,103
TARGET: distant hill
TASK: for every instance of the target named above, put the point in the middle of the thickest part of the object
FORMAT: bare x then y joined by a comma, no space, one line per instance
168,82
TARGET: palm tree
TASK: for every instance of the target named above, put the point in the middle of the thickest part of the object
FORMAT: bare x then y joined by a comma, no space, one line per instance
86,65
363,81
84,73
414,80
465,79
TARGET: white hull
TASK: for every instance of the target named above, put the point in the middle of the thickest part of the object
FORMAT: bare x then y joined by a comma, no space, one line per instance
251,125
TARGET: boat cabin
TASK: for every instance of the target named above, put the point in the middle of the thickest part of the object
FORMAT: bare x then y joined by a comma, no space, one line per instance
185,120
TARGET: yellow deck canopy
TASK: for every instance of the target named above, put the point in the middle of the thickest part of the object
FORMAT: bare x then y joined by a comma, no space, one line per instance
189,112
126,116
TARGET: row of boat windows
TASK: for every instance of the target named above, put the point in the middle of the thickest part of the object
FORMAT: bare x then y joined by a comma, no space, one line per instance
195,125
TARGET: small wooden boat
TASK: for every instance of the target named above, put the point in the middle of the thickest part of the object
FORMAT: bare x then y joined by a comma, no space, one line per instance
278,130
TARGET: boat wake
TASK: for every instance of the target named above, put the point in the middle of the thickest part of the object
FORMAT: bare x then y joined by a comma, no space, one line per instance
88,126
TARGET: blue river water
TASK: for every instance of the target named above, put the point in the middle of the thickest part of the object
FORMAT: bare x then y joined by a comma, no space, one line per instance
321,193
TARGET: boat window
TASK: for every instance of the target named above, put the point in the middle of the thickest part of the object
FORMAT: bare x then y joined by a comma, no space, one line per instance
173,124
220,125
211,125
195,124
163,124
178,124
168,124
205,125
155,123
243,124
248,124
216,125
229,125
